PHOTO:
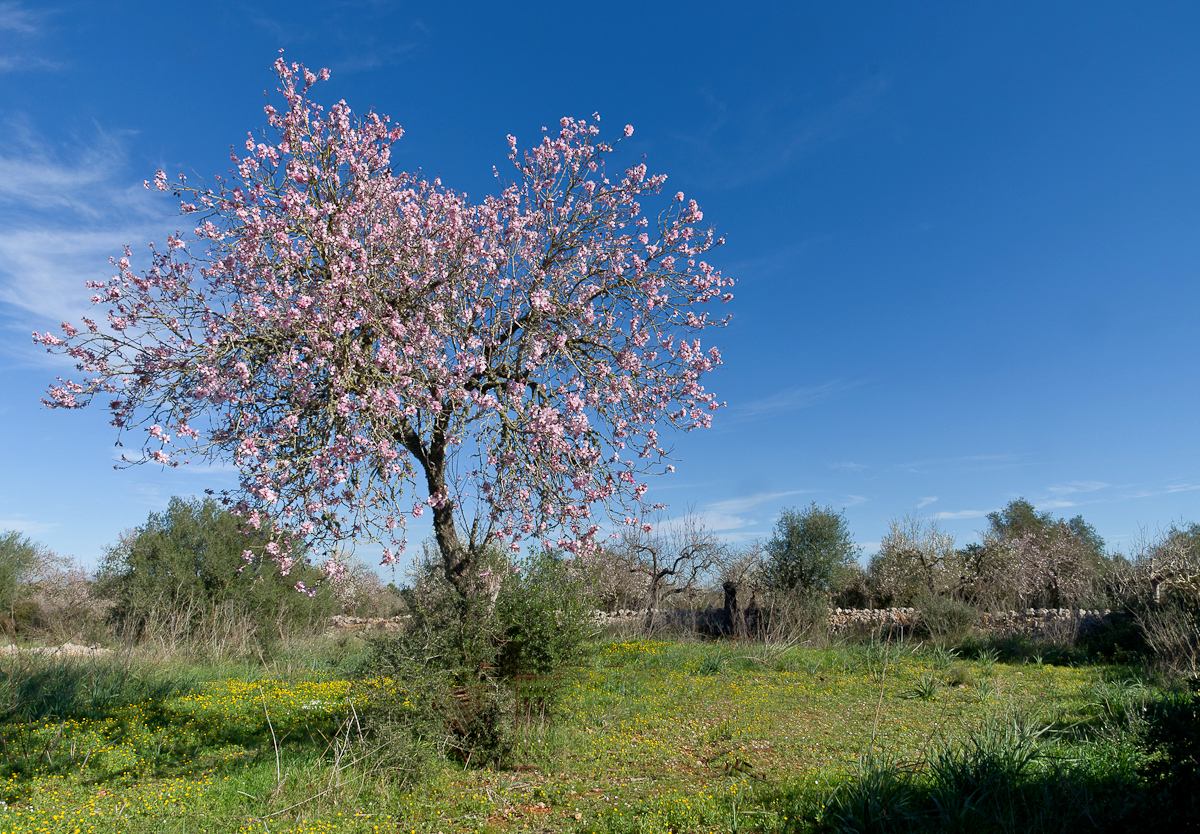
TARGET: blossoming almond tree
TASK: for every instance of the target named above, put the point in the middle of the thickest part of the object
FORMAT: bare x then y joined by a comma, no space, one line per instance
365,344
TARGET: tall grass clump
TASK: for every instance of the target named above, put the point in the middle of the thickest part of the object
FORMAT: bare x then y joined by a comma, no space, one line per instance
35,686
946,619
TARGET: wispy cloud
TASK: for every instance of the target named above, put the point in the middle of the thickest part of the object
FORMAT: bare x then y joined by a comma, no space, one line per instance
961,514
854,500
27,527
737,513
791,399
1074,487
20,26
747,141
849,466
361,38
964,463
925,502
34,179
61,220
13,18
1169,489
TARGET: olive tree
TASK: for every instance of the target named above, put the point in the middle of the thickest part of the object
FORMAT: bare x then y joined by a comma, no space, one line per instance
809,550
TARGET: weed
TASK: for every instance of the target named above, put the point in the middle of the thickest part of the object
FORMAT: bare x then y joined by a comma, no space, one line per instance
926,688
960,674
942,657
710,664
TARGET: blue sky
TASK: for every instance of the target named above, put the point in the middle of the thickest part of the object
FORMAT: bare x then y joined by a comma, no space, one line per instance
966,236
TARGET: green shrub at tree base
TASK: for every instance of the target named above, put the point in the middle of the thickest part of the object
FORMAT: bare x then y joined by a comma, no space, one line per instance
544,614
463,671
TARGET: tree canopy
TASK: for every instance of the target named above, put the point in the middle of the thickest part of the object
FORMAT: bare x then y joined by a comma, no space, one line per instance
192,557
366,345
809,549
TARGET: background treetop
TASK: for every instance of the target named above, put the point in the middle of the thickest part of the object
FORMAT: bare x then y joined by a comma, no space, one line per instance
809,549
366,345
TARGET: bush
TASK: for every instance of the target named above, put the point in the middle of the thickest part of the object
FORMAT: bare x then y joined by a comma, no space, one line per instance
947,619
182,578
790,618
439,689
544,614
1119,640
462,669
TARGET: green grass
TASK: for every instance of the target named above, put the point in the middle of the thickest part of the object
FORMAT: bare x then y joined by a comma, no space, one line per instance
655,736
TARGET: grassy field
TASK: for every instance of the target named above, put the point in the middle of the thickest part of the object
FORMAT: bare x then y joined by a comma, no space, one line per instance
651,736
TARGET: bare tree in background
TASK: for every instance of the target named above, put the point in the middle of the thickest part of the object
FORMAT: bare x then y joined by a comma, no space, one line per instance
673,559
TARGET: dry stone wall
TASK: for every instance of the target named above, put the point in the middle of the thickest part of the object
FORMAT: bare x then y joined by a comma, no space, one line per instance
65,650
1032,622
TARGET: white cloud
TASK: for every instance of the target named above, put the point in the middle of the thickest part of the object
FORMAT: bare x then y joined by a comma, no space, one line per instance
33,179
15,19
967,462
960,514
736,513
18,27
1170,489
772,130
849,466
925,502
791,399
1180,488
854,500
1073,487
27,527
60,222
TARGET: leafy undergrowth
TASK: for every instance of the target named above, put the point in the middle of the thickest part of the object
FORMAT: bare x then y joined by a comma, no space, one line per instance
655,736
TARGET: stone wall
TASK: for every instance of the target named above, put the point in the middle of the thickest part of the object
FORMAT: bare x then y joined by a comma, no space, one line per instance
343,622
1032,622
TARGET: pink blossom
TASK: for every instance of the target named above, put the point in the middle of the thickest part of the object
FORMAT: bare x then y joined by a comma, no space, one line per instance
359,340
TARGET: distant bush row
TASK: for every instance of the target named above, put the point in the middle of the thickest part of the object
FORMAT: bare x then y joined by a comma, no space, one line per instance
181,580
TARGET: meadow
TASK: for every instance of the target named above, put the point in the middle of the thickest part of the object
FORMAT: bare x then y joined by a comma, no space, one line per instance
648,735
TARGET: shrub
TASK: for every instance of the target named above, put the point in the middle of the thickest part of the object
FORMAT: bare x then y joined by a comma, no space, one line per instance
947,619
183,577
786,619
544,614
439,688
1174,731
462,669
